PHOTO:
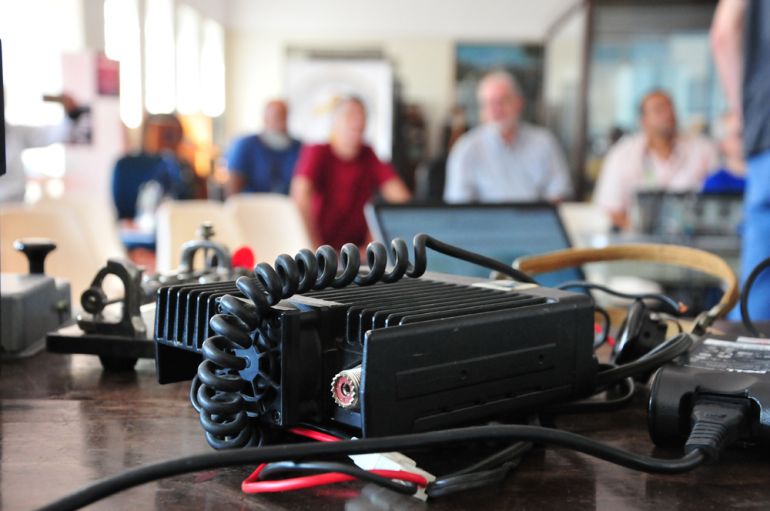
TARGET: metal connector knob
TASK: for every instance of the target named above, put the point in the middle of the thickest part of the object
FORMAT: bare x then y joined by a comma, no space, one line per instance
36,250
346,388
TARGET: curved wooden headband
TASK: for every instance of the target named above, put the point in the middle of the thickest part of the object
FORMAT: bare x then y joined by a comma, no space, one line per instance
673,255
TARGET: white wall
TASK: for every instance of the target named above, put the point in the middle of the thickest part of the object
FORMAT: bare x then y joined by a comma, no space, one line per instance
256,73
418,36
217,10
490,20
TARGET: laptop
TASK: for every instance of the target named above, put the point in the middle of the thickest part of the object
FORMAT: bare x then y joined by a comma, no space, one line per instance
502,231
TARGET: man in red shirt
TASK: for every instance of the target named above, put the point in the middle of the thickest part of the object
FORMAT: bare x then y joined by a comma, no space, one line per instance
332,182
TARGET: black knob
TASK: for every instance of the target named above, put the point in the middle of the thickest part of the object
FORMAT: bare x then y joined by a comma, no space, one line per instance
36,250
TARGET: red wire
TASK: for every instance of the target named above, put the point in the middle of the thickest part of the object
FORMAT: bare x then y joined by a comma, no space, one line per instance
599,329
252,484
315,435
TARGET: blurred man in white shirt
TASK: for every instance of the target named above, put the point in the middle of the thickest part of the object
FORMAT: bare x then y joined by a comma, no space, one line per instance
658,158
504,159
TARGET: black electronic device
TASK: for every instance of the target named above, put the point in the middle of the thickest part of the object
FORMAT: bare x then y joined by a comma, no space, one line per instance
118,329
31,304
429,353
118,334
390,358
717,369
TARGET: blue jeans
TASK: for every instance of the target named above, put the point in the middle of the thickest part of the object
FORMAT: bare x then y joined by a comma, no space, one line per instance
756,234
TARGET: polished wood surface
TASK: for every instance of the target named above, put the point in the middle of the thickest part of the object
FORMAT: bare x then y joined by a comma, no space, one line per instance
65,423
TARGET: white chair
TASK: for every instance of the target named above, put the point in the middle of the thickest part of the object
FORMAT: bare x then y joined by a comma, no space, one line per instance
584,222
178,222
74,258
269,223
98,218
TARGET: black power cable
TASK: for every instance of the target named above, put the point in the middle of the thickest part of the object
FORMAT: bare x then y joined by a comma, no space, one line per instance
253,456
662,353
626,390
672,305
758,269
450,485
490,470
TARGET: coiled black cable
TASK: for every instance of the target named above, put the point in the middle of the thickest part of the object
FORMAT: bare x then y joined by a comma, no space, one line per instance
247,337
244,335
308,271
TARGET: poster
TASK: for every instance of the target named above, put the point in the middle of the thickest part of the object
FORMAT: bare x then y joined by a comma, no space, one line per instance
315,87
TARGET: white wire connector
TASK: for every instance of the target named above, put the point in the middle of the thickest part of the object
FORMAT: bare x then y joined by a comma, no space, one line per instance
393,461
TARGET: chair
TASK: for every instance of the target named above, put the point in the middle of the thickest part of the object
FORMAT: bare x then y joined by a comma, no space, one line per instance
129,174
178,222
269,223
74,258
98,218
583,222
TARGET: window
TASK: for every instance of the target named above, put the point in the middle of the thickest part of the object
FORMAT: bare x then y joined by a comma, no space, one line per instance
213,69
188,60
159,57
122,42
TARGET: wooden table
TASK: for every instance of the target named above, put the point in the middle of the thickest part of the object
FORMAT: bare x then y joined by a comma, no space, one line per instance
65,423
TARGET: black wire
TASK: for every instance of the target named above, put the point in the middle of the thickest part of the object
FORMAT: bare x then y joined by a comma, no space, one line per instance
673,319
746,291
627,387
489,470
486,471
322,467
508,454
662,353
450,485
471,257
669,302
257,455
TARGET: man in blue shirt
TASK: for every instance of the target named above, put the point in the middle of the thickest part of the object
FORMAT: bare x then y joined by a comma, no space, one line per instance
264,162
156,161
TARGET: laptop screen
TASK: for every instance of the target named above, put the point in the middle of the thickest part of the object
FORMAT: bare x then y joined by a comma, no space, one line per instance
501,231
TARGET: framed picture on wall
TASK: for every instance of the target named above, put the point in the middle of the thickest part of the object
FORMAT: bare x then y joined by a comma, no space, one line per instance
524,61
315,87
